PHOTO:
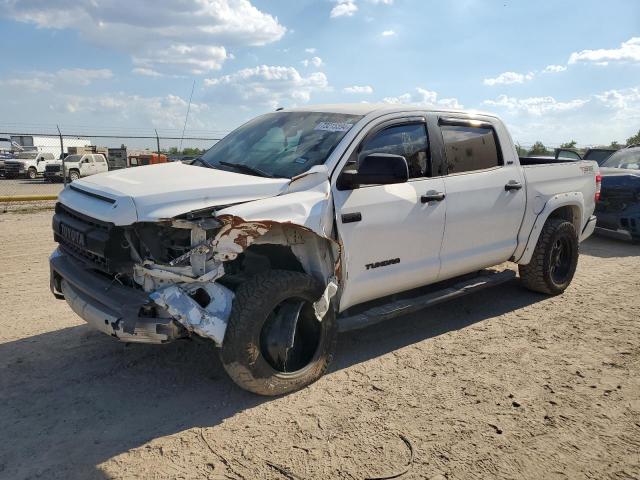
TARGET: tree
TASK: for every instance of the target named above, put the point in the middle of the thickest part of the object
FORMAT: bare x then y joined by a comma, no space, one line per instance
615,145
192,152
571,144
522,152
539,149
635,140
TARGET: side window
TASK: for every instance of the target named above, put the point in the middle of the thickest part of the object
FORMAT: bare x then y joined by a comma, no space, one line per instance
568,154
470,148
408,140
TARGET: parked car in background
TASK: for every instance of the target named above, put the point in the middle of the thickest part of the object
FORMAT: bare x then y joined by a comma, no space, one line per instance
77,166
599,155
141,159
618,210
30,164
303,222
5,153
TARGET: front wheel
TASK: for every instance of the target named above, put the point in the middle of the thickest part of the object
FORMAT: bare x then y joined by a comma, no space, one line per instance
32,173
274,344
554,260
74,175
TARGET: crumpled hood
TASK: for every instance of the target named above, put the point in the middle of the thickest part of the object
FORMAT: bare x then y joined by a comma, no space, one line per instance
154,192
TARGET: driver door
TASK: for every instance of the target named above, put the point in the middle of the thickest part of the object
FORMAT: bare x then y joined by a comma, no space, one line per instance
391,234
86,166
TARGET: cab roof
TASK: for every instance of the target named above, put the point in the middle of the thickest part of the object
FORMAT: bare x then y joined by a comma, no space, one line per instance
377,108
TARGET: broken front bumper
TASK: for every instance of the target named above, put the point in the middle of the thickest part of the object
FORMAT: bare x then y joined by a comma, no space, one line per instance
123,312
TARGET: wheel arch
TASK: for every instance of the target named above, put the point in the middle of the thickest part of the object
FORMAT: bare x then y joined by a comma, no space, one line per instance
568,206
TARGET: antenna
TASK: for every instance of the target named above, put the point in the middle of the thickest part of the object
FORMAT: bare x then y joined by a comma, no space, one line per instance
187,116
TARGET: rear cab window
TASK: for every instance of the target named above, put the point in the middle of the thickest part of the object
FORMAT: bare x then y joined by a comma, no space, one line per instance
470,147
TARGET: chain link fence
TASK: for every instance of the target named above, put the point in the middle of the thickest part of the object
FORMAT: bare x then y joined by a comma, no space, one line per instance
34,167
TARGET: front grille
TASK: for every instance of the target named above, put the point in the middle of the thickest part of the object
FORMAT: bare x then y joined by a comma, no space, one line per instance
61,209
52,168
12,167
97,243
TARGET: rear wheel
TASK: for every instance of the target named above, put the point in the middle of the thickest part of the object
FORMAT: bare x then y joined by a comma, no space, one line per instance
274,344
554,260
32,173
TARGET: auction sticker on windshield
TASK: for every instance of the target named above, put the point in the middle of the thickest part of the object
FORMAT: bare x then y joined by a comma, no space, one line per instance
333,126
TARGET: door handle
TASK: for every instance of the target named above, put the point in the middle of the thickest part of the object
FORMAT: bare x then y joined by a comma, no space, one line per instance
432,196
351,217
512,185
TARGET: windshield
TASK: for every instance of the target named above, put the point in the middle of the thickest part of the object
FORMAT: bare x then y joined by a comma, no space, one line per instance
72,158
282,144
27,155
627,158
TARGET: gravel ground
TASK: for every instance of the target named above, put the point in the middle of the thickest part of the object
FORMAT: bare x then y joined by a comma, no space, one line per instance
504,384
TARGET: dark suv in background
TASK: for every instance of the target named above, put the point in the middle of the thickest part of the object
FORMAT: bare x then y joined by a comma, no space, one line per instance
618,210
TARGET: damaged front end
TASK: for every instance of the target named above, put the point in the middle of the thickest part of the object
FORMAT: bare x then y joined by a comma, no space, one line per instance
154,282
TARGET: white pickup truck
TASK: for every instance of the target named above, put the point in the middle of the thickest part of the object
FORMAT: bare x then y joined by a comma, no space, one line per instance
30,164
305,222
76,166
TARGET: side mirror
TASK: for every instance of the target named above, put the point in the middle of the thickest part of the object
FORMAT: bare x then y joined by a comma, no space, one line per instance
377,169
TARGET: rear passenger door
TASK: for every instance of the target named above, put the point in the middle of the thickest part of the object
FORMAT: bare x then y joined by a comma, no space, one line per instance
100,164
485,197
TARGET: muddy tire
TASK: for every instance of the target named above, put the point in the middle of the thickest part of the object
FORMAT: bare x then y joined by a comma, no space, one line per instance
247,350
74,175
32,173
554,260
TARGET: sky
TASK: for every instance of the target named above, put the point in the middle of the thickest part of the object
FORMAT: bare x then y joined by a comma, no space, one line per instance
554,70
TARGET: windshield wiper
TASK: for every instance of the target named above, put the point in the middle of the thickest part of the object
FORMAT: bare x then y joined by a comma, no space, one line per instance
246,168
200,161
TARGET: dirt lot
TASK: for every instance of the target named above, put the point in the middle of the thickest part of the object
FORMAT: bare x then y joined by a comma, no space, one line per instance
502,384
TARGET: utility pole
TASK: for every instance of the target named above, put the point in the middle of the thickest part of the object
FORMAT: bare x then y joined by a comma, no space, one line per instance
64,172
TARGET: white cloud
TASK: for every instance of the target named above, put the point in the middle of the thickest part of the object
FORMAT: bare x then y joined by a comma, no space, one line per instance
27,84
592,119
41,81
344,8
627,99
314,61
196,59
388,33
187,35
554,69
359,89
628,51
266,85
310,50
82,76
147,72
383,2
534,105
508,78
161,112
427,98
